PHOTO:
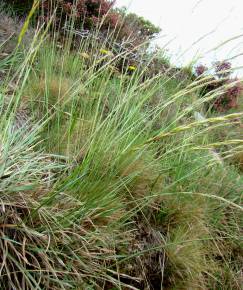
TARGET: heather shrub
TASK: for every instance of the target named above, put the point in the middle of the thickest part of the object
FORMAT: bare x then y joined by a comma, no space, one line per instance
200,70
223,68
86,14
221,80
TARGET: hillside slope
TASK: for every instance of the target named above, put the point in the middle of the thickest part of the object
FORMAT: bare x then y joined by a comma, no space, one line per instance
109,182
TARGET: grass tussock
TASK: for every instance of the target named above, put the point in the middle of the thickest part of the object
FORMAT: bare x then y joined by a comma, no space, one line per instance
110,182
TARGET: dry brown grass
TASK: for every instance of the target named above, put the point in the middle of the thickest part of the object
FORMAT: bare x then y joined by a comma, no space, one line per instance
9,31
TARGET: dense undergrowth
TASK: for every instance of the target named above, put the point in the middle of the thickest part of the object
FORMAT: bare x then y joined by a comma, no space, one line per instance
107,181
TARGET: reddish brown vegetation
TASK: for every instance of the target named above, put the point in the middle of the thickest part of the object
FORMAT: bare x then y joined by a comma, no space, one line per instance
221,79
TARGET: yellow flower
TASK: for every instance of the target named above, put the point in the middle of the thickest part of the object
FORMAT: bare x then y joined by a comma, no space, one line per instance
104,51
132,68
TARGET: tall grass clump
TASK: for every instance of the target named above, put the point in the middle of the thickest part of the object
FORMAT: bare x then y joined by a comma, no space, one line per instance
107,180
